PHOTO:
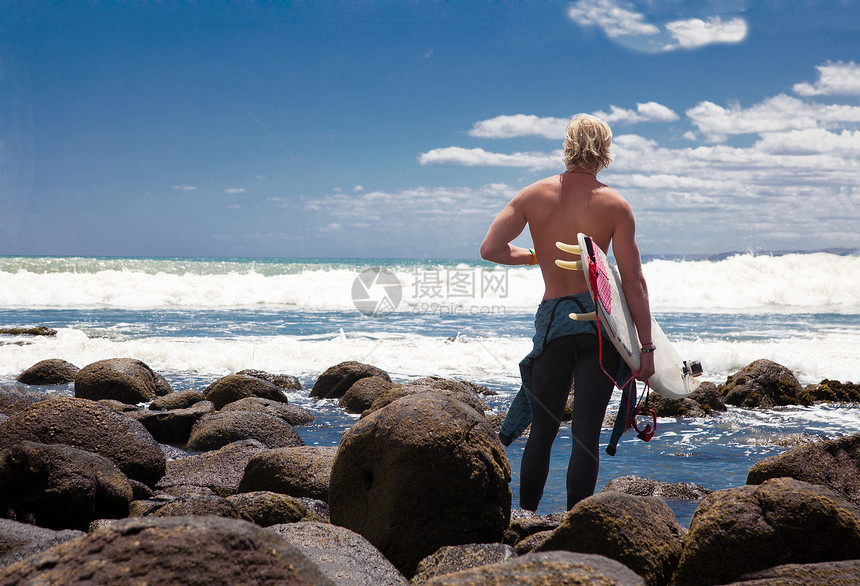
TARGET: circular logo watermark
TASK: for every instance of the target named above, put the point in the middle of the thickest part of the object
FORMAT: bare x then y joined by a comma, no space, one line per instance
376,292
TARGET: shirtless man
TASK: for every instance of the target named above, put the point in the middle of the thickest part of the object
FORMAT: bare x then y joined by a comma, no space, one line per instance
556,209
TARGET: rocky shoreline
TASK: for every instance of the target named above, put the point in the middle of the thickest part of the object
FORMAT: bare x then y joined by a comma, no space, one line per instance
97,488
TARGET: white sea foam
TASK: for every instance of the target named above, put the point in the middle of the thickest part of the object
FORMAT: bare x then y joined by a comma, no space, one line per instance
812,283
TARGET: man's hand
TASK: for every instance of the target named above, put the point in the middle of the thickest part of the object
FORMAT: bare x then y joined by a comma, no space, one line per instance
646,366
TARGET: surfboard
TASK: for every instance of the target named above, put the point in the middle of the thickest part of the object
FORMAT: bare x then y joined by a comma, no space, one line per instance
674,377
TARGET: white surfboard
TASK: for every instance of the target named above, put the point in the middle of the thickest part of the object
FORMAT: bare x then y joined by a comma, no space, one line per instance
673,377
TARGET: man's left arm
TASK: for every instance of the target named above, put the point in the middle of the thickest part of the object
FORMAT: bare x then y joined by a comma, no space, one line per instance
509,224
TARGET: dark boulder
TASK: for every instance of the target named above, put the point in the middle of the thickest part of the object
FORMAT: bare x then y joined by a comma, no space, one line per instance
123,379
282,381
53,371
638,486
762,384
702,402
831,391
238,386
832,463
342,555
363,393
187,506
216,430
266,508
455,558
34,331
524,524
639,532
177,400
90,426
302,471
462,394
337,379
219,471
558,568
15,400
21,540
292,414
423,472
178,551
844,573
174,426
782,521
60,487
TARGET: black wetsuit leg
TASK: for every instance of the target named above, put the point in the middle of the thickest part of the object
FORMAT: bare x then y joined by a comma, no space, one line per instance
565,360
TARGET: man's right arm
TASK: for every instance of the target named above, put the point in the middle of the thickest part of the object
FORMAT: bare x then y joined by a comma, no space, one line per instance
627,256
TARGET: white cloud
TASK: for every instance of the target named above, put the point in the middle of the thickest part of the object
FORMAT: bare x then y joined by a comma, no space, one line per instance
811,141
833,79
479,157
777,114
695,32
519,125
645,112
235,190
184,187
333,227
614,20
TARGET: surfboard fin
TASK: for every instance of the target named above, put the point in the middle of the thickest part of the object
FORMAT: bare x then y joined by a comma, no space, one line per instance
571,248
590,316
571,265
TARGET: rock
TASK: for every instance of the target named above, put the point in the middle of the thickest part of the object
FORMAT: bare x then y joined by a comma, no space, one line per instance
90,426
37,331
238,386
396,392
558,568
821,574
215,430
53,371
757,527
190,506
266,508
14,401
282,381
177,400
702,402
218,471
831,391
526,523
454,558
60,487
123,379
345,557
119,406
640,532
177,551
292,414
174,426
21,540
300,471
832,463
423,472
337,380
637,486
363,393
762,384
709,397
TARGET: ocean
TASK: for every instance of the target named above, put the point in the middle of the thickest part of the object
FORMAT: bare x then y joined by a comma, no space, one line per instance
196,319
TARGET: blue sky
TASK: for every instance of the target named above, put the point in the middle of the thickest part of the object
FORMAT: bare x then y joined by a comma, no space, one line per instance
399,129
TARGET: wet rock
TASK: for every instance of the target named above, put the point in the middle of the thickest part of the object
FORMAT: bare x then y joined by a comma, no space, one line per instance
282,381
215,430
238,386
60,487
174,426
423,472
218,471
461,393
363,393
559,568
337,379
119,406
196,506
14,400
292,414
90,426
709,397
177,551
526,523
21,540
345,557
702,402
455,558
177,400
37,331
762,384
757,527
831,391
123,379
831,463
638,486
266,508
822,574
639,532
53,371
297,471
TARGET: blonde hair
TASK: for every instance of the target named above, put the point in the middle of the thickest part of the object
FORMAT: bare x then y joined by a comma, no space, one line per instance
586,144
